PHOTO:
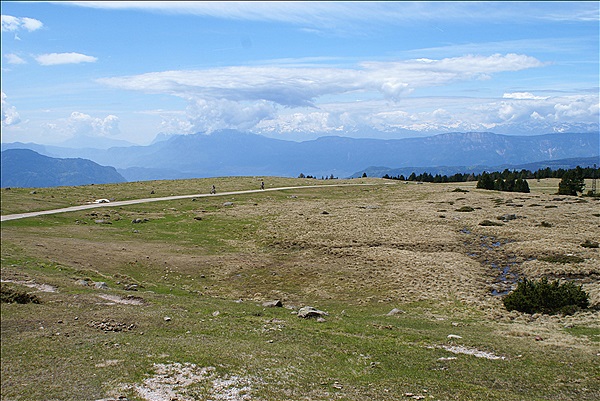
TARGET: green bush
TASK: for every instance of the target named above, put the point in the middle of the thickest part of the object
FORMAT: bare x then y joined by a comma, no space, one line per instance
547,297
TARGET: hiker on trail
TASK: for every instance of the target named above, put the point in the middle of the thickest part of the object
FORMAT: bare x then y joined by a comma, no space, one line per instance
213,190
262,185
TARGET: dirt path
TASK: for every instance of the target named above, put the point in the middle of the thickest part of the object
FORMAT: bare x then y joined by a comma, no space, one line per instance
166,198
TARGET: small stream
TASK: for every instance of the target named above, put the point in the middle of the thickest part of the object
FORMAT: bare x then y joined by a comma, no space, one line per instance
488,251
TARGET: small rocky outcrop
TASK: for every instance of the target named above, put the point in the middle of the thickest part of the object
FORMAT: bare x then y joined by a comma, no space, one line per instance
309,312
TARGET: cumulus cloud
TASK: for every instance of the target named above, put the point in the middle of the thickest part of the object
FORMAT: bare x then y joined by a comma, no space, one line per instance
523,96
81,124
240,97
9,113
64,58
13,24
293,87
435,115
14,59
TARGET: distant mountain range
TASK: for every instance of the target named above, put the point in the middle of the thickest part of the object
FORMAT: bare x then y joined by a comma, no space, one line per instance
26,168
233,153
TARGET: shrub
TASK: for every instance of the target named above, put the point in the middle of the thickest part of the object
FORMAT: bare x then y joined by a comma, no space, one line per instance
488,223
10,295
590,244
564,259
465,209
547,297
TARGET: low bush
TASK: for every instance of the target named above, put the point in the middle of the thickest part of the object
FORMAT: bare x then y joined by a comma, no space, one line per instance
547,297
10,295
564,259
590,244
489,223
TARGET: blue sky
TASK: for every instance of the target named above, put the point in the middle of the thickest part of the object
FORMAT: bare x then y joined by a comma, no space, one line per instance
297,70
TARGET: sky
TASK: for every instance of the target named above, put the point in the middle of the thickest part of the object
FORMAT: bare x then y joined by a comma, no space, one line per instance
130,71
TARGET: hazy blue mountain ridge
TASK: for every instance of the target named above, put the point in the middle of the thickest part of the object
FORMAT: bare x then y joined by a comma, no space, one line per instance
26,168
231,153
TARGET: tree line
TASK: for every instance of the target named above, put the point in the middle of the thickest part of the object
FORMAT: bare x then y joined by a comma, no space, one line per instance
572,180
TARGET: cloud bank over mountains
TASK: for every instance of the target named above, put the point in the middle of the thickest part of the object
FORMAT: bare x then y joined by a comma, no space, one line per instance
381,96
296,70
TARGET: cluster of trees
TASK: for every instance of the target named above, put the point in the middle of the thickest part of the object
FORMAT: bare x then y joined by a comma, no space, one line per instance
331,177
505,181
426,177
572,180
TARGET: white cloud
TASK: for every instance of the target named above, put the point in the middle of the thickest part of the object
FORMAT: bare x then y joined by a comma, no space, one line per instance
13,24
300,86
64,58
333,15
435,115
240,97
523,96
9,113
81,124
14,59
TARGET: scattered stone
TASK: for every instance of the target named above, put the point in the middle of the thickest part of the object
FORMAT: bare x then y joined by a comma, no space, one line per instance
454,336
228,204
273,304
102,221
167,319
471,351
82,282
101,285
130,287
111,325
216,313
198,218
321,320
395,311
324,212
507,217
308,312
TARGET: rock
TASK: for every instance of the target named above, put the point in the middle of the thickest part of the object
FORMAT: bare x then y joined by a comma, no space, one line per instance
454,336
102,221
130,287
324,212
272,304
198,218
508,217
167,319
395,311
308,312
84,283
228,204
136,221
101,285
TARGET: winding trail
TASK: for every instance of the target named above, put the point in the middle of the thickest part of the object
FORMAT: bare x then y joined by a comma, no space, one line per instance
166,198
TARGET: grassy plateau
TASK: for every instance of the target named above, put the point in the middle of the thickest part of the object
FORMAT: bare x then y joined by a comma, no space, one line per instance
171,300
